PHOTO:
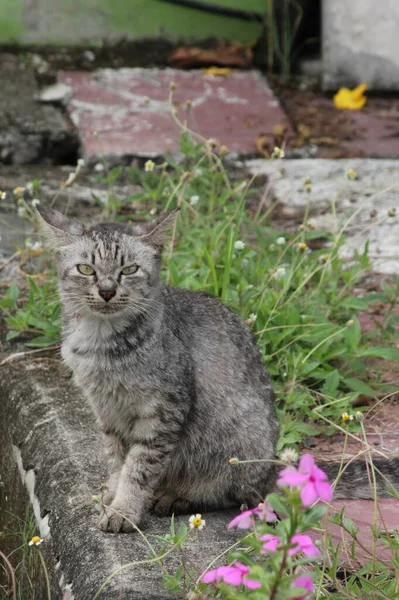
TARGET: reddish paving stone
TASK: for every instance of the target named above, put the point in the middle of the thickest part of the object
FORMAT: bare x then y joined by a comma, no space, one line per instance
382,430
129,110
367,518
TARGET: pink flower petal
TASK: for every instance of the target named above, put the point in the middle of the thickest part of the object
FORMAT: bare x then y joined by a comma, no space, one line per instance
244,520
210,576
305,582
319,474
290,477
304,544
309,495
233,576
306,463
324,490
251,584
271,542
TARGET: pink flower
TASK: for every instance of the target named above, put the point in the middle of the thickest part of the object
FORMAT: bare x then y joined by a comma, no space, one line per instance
305,582
272,542
310,478
303,544
245,520
233,575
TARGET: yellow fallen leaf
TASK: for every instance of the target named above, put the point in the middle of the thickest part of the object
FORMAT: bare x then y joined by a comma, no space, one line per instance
351,99
217,71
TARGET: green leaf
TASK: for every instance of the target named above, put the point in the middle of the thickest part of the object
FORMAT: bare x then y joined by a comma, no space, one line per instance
380,352
353,334
277,504
42,341
356,303
357,385
331,383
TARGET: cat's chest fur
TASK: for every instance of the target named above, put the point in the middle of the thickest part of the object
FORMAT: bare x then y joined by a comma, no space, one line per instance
119,390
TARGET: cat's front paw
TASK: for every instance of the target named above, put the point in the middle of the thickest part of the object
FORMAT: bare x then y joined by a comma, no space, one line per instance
117,519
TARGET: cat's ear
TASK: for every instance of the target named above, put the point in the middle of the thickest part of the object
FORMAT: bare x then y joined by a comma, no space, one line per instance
59,230
156,230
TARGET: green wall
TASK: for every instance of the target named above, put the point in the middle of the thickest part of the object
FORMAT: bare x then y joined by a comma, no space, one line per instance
92,21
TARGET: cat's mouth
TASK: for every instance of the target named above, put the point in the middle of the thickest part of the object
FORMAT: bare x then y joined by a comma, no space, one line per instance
106,309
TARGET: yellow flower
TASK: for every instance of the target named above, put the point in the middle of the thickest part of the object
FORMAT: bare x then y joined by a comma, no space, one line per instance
302,246
196,522
3,195
35,541
18,191
351,174
307,182
223,150
346,417
149,166
217,71
351,99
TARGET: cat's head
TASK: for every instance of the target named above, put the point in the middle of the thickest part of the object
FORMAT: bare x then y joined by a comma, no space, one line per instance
107,269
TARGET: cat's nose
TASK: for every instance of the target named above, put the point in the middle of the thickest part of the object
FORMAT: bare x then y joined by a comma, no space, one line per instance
107,293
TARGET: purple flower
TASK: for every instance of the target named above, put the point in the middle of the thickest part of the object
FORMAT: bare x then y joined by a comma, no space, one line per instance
305,582
303,544
245,520
311,479
272,542
233,575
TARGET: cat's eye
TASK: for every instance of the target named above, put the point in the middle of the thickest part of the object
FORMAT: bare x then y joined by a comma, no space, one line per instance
130,270
85,269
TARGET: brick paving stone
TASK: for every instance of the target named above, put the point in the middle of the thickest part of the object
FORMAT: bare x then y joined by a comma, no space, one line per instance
129,110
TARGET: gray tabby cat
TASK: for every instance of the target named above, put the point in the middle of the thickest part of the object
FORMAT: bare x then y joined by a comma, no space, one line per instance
174,379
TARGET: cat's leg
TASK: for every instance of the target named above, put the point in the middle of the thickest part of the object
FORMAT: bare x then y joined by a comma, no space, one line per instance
144,467
116,453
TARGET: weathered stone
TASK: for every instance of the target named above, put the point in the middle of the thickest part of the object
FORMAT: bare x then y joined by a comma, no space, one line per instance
360,44
364,204
126,112
48,435
30,131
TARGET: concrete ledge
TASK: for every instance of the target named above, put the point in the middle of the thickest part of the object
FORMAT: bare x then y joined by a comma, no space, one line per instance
372,195
49,442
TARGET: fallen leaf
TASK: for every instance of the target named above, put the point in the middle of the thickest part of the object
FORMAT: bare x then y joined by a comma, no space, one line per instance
224,55
217,71
351,99
262,145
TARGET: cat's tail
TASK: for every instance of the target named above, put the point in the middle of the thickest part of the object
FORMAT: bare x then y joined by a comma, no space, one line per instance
361,479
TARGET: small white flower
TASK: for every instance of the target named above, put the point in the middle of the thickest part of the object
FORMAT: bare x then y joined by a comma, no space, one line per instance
198,172
89,55
149,166
278,153
239,245
21,211
35,541
33,246
289,455
81,162
279,272
35,202
153,211
252,318
194,200
196,522
280,241
99,168
3,195
29,188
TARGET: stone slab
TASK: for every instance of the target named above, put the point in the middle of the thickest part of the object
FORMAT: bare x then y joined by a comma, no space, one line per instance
363,203
360,44
129,112
30,132
48,435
